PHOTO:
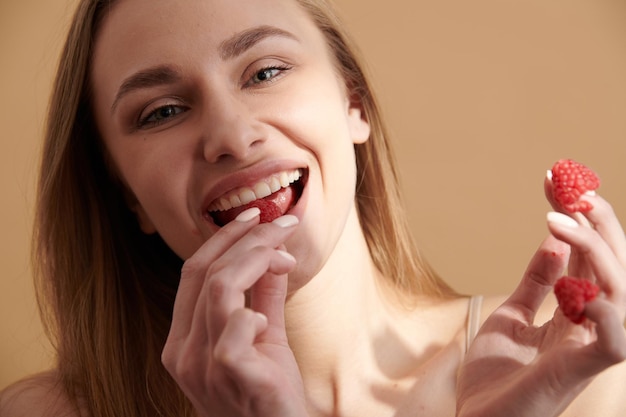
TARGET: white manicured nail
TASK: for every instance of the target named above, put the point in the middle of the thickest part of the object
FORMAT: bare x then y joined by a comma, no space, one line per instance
590,193
562,219
247,215
286,221
262,316
549,174
286,255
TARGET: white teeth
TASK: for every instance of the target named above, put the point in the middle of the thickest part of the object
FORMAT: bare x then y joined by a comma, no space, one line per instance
223,202
274,184
261,189
247,196
234,201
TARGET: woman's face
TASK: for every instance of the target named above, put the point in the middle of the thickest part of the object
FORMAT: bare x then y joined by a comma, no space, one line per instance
200,102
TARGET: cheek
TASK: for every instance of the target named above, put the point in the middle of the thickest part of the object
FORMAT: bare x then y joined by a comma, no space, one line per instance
172,221
318,123
165,205
157,175
316,114
316,117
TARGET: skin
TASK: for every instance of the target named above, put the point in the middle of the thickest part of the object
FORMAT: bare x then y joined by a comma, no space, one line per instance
227,134
321,335
557,361
230,129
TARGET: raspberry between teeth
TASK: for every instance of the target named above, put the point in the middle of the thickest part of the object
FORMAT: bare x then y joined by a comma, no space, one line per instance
570,180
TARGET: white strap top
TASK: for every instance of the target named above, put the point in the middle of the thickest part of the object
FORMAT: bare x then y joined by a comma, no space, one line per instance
473,319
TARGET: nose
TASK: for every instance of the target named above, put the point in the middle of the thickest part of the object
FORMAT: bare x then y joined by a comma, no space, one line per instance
230,130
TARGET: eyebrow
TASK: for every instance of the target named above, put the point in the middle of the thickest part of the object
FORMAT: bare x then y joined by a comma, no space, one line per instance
151,77
246,39
229,49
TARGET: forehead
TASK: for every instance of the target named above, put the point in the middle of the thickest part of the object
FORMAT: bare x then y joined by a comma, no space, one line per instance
210,14
136,34
145,23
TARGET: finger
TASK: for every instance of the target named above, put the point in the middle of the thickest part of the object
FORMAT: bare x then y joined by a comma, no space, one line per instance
237,339
225,280
225,289
604,220
577,265
608,271
235,350
268,297
194,270
610,345
236,354
546,266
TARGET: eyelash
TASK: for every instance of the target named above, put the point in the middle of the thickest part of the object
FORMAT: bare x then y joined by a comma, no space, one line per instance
145,122
280,68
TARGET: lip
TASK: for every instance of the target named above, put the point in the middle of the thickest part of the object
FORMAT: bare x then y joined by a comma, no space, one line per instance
246,177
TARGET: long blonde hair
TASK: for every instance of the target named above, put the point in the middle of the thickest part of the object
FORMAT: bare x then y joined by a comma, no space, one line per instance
107,290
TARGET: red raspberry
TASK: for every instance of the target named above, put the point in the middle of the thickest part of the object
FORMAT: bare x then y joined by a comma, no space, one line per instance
269,210
570,180
572,294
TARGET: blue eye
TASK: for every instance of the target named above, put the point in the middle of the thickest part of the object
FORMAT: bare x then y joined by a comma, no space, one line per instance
267,74
161,115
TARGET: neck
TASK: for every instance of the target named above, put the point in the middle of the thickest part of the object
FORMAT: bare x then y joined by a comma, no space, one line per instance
352,337
340,318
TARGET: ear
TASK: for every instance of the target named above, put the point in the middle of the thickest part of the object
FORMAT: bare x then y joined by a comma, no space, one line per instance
357,121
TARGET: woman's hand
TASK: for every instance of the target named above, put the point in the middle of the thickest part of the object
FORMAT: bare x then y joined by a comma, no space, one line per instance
516,369
229,359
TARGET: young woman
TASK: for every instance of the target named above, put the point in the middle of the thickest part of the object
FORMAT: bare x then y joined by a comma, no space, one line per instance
171,289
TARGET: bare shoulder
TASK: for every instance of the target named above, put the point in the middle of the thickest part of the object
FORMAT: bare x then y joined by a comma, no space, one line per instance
36,396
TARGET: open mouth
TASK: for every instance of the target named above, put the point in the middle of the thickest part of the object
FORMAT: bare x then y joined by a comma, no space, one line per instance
274,196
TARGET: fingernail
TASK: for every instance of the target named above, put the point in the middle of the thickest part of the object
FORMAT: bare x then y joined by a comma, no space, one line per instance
247,215
549,174
590,193
262,316
562,219
286,255
286,221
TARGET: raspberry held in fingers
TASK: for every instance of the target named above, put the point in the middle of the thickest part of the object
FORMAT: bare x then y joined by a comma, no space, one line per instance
573,294
570,180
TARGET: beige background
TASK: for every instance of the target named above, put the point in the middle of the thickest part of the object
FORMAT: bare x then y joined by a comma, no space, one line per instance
482,97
